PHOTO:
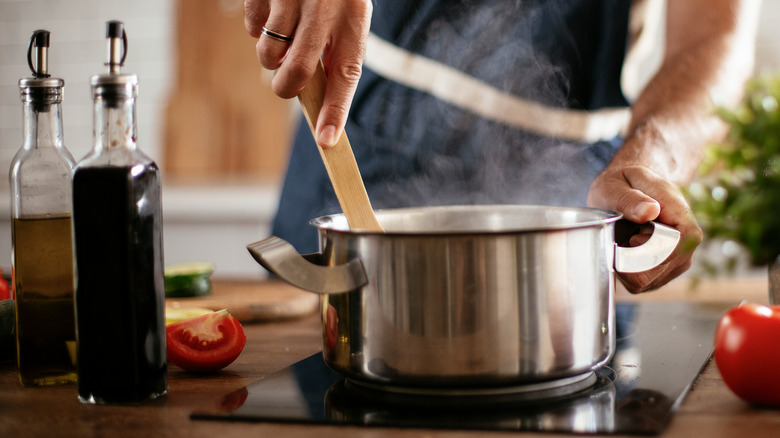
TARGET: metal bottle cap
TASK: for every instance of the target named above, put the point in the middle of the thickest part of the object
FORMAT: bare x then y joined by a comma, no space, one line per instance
114,83
41,86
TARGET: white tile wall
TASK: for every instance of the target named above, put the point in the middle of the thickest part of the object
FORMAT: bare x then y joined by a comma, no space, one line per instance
768,38
77,52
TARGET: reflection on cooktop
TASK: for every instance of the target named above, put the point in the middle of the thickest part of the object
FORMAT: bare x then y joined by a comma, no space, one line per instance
661,349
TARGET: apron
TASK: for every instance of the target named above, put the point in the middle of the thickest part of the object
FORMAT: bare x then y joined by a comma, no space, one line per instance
474,102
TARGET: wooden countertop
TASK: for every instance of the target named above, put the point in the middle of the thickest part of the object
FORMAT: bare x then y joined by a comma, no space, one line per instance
710,409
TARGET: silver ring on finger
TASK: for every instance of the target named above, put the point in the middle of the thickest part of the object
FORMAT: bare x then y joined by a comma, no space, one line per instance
276,35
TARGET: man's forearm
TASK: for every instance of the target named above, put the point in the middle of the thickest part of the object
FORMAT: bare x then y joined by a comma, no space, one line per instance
709,55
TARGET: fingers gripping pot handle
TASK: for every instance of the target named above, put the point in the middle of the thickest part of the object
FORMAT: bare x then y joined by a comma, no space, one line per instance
304,271
650,254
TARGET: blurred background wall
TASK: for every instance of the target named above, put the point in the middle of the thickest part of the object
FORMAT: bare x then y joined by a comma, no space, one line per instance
205,111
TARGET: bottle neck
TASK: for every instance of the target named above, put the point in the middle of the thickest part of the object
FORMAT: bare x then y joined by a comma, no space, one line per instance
115,124
42,124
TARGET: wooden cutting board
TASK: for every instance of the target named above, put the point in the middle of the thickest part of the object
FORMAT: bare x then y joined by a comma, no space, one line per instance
222,118
254,301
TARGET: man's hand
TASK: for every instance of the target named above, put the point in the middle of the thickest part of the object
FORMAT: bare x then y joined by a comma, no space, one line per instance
335,30
642,196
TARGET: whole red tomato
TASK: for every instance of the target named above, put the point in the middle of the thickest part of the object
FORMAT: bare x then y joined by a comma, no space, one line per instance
205,343
747,352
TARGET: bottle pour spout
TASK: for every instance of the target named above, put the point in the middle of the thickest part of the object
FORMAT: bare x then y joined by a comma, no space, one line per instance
40,41
116,40
114,85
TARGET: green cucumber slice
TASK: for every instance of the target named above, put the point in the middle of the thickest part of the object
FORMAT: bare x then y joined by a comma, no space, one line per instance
188,279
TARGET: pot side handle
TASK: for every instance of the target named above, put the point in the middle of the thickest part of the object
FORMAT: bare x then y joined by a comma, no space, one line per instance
280,257
650,254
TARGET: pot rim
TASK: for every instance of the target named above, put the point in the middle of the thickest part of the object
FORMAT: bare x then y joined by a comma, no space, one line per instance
591,217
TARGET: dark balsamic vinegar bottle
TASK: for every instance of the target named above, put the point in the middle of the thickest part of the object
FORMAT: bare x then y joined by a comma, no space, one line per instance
42,249
117,228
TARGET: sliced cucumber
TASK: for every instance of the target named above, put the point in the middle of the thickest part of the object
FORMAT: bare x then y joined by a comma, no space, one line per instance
189,279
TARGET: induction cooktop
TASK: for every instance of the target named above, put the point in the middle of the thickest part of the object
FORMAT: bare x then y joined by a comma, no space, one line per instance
661,349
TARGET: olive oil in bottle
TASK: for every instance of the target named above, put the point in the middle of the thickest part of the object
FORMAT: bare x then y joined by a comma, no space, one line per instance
42,251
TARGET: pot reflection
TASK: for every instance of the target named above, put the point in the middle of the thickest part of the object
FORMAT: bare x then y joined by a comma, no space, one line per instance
587,411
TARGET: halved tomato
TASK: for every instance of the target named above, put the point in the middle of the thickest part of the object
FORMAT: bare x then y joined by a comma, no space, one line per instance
205,343
5,289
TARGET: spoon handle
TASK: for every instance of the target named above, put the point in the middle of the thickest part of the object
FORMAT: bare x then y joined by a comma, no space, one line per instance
339,161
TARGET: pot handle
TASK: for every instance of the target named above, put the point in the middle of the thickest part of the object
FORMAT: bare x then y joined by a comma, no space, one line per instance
650,254
280,257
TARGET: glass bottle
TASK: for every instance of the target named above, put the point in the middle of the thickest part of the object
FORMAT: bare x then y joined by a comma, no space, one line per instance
117,225
41,241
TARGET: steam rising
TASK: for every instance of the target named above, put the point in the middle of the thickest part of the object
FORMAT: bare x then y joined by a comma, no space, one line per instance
468,160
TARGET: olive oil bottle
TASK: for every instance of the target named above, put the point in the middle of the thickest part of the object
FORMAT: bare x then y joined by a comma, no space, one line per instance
42,251
117,227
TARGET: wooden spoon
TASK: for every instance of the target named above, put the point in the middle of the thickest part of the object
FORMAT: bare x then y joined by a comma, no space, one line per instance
339,161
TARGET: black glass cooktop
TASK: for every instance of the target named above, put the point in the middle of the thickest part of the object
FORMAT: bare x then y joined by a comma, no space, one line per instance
661,349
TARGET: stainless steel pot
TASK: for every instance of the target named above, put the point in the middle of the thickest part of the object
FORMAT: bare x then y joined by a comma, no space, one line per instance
467,296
